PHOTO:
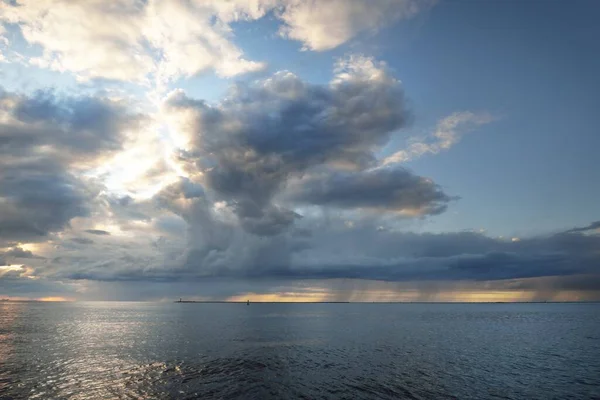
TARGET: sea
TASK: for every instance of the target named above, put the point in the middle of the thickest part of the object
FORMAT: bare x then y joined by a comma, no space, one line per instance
114,350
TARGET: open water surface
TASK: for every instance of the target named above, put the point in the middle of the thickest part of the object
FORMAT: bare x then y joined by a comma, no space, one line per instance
305,351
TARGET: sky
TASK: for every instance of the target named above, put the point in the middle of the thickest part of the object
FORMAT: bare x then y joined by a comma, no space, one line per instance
290,150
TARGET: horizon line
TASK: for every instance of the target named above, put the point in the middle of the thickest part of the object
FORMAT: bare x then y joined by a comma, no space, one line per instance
299,302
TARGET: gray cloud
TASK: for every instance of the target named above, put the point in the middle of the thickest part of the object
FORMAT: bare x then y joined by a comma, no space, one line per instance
97,232
15,284
82,240
264,133
396,256
38,196
74,127
384,189
332,249
592,226
548,285
14,255
258,163
43,138
18,252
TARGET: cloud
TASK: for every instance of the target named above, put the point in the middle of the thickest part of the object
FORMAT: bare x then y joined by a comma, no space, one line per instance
132,39
247,147
590,227
82,240
19,283
19,252
69,127
381,189
269,146
366,252
97,232
38,197
91,38
318,247
190,42
155,41
448,132
44,140
275,185
3,42
324,25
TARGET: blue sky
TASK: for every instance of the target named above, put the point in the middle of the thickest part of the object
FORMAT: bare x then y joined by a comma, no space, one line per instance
480,119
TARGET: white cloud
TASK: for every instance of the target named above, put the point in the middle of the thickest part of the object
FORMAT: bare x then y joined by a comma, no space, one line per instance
357,67
448,132
91,38
135,40
324,25
165,39
3,42
190,44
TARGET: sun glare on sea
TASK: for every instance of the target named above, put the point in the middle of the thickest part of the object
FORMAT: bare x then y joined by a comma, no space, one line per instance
54,299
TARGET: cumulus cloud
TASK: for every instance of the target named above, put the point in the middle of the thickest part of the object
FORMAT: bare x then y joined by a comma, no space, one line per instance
70,127
278,182
38,197
44,138
380,189
248,146
447,133
324,25
190,42
132,39
3,42
164,39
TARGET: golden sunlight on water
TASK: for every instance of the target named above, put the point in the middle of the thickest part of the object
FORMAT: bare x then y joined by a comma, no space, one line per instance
56,298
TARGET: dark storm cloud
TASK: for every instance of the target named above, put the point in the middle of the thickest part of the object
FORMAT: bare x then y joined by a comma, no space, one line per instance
264,133
42,137
386,189
493,266
584,282
389,255
214,241
484,267
97,232
325,251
